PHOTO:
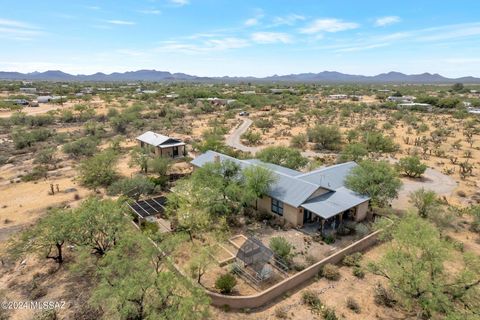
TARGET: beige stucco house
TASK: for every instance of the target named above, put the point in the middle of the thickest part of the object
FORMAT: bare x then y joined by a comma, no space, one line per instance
161,145
298,198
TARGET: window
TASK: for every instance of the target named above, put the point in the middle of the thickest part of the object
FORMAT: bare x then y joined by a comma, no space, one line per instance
277,207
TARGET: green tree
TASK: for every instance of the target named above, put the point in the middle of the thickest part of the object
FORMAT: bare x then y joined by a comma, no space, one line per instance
376,179
282,156
412,166
141,157
98,225
326,137
160,166
200,262
47,237
414,265
132,187
257,181
137,282
377,142
353,152
99,170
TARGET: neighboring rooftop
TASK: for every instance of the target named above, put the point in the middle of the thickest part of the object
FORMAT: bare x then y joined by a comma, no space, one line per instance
159,140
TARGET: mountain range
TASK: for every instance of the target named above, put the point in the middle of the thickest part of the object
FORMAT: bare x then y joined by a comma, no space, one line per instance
154,75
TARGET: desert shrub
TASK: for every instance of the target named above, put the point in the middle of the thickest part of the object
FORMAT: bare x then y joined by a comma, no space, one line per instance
383,297
330,272
37,173
132,187
86,146
281,313
352,260
23,139
353,305
329,314
299,141
252,138
99,170
311,299
263,123
47,314
325,137
281,247
358,272
225,283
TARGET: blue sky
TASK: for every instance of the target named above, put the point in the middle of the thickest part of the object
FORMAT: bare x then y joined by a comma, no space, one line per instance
245,37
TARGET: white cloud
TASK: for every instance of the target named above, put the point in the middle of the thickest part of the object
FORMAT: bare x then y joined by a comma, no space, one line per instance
271,37
289,20
180,2
363,47
251,22
150,11
93,7
18,30
205,46
329,25
385,21
121,22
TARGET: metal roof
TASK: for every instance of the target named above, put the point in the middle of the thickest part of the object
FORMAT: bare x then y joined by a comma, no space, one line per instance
275,167
286,188
331,178
332,203
156,139
294,188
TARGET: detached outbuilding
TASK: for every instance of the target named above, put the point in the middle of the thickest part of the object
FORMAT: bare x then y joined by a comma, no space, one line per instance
161,145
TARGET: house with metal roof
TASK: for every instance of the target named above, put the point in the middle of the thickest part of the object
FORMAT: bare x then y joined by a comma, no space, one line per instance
162,145
298,198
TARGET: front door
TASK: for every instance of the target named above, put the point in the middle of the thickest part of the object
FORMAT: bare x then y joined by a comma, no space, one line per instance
175,152
307,216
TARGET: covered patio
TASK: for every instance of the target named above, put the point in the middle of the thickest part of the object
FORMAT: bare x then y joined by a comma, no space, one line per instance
328,211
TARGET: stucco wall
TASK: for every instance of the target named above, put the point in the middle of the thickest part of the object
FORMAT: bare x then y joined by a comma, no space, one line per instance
290,214
167,152
361,213
281,288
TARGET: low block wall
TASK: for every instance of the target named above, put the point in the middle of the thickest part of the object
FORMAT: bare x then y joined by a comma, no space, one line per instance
266,296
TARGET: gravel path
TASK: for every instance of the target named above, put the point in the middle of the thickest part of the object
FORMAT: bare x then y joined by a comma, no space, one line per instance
432,179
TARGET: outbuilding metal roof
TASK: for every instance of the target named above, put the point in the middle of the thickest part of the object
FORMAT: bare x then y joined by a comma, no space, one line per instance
332,203
159,140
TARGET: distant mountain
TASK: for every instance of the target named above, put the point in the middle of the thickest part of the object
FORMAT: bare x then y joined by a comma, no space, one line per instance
154,75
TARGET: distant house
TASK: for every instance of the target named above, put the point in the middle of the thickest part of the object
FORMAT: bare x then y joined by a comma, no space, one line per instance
44,99
28,90
319,197
402,99
415,105
172,95
248,92
473,110
337,97
161,145
218,101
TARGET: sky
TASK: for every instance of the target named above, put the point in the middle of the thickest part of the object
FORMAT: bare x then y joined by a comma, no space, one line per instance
241,38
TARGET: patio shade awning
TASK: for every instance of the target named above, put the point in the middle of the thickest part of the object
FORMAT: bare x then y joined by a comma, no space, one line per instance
332,203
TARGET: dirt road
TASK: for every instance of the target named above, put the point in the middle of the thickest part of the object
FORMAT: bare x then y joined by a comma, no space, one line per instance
233,140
